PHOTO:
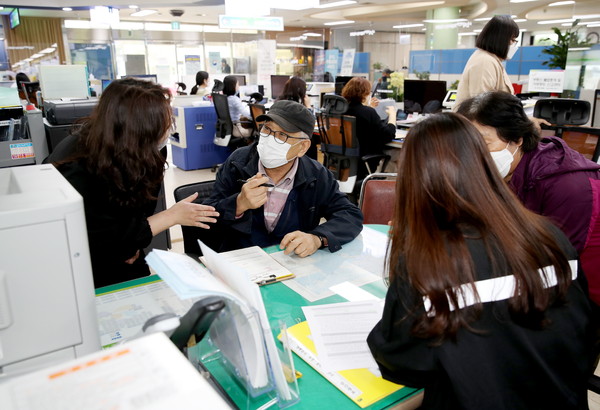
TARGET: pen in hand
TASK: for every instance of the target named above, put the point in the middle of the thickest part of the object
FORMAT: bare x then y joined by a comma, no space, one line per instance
243,181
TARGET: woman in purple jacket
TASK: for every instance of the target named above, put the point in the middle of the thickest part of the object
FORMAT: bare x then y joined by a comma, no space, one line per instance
550,178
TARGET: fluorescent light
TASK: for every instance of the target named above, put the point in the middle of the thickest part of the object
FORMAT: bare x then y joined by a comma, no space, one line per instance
28,59
362,33
482,19
67,9
313,35
589,23
408,25
556,21
143,13
337,23
477,30
522,30
594,25
579,48
561,3
467,34
520,20
133,6
37,55
336,4
435,21
587,16
48,50
521,1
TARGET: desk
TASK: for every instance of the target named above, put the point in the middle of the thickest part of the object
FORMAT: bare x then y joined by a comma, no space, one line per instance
281,303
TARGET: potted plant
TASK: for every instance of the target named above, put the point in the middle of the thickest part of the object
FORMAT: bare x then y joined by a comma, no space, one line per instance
397,85
558,52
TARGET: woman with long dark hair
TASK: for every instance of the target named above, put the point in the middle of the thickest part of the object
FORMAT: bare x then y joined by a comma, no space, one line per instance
485,308
237,109
295,90
118,169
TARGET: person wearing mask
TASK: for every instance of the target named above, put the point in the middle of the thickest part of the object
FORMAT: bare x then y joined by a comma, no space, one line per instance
372,132
486,307
484,71
237,109
295,90
549,178
116,166
225,68
201,87
384,80
270,193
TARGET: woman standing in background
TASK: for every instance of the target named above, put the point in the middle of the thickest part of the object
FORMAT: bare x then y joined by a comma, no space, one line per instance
484,71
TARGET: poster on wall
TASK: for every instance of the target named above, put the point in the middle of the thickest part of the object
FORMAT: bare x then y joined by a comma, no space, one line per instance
192,64
348,61
546,81
265,62
331,64
214,62
319,65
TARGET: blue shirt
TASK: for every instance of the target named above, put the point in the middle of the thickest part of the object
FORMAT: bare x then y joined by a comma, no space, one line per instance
237,108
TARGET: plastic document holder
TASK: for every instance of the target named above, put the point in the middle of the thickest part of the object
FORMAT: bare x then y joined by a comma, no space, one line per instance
238,353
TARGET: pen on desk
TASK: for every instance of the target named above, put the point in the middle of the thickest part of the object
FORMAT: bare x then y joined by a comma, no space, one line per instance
243,181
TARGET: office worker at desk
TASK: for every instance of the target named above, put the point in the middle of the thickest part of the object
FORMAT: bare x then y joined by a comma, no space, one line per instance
237,109
295,90
116,167
549,178
201,86
301,191
458,226
372,132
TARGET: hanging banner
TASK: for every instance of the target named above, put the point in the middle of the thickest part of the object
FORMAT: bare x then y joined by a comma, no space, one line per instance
265,63
348,62
331,64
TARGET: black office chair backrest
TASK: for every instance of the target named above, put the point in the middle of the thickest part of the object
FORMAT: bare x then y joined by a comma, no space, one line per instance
224,125
191,234
562,111
334,104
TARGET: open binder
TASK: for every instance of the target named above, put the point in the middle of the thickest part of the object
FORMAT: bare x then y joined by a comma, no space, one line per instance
239,346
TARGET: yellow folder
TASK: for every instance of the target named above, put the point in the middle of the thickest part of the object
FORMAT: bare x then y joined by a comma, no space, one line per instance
360,385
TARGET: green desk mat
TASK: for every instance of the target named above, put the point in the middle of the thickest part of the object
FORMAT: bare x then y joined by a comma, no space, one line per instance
284,304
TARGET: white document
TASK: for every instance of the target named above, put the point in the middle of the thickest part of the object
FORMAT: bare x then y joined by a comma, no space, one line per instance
147,373
256,262
340,333
358,262
238,279
122,314
352,293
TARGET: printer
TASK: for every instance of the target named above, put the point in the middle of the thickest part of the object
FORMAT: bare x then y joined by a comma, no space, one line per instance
59,112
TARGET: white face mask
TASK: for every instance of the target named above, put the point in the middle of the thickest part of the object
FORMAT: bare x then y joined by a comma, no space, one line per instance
271,153
512,49
503,160
163,143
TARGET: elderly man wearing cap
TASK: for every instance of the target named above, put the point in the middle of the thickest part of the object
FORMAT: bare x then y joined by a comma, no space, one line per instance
270,193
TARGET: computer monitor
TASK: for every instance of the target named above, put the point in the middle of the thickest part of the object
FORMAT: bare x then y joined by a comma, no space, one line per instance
14,18
422,92
105,84
277,85
241,79
340,83
47,301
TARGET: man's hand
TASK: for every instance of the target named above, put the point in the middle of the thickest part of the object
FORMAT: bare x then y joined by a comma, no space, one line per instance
301,243
252,195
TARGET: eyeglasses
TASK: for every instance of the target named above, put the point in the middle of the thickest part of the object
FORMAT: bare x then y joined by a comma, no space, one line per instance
280,136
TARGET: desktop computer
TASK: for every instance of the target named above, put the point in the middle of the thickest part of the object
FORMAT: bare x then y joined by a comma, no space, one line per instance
47,301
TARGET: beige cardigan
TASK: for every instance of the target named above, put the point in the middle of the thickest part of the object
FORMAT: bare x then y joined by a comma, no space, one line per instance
484,72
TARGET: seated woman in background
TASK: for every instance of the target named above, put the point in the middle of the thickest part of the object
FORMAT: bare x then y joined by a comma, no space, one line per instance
470,315
237,109
201,87
550,178
372,132
295,90
117,168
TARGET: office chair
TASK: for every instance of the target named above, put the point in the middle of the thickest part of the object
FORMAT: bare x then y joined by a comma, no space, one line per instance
340,147
566,114
224,135
377,198
256,110
191,234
